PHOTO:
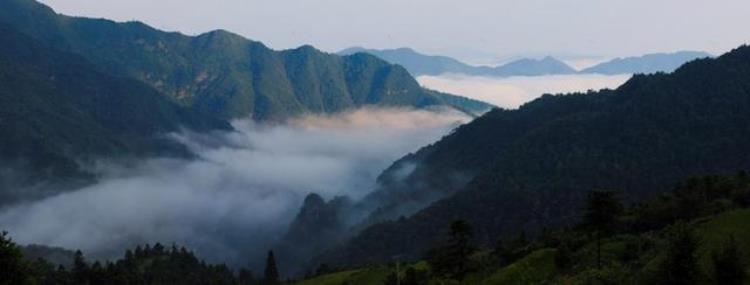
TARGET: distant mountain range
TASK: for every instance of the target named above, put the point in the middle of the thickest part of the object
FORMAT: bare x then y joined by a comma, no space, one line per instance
650,63
419,64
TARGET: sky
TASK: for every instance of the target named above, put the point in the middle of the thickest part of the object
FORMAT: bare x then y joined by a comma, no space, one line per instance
472,30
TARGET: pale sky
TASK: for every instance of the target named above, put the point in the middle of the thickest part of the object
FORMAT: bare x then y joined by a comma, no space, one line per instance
468,29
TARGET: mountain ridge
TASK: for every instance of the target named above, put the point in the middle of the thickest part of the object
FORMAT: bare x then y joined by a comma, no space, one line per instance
533,166
223,73
420,64
59,110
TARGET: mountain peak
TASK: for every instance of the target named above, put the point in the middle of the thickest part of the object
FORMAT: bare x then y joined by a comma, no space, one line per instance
313,200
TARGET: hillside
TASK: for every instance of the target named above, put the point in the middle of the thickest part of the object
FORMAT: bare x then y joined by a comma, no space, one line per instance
699,230
57,110
529,169
222,73
650,63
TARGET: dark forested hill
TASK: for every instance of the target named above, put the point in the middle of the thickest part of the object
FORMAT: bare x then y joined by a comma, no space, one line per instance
530,168
223,73
57,109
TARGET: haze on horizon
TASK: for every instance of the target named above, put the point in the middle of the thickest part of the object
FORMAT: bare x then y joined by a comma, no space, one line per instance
474,31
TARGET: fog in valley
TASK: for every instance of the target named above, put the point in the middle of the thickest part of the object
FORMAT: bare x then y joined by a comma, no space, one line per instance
234,201
512,92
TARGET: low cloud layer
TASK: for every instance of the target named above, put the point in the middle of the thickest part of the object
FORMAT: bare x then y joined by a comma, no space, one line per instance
239,196
512,92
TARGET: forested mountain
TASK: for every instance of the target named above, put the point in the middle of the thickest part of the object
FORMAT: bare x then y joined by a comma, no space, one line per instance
57,109
222,73
650,63
531,168
696,233
419,64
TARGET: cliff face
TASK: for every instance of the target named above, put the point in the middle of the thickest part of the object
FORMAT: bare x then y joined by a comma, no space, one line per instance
317,225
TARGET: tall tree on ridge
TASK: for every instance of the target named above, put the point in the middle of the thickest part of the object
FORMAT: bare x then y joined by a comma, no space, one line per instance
12,267
271,274
599,217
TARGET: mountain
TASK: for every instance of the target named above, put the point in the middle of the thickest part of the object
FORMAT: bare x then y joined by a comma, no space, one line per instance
419,64
57,109
317,225
533,67
416,63
650,63
529,169
711,209
222,73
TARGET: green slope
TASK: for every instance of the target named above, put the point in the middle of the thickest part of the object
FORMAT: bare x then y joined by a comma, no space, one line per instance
56,110
530,168
223,73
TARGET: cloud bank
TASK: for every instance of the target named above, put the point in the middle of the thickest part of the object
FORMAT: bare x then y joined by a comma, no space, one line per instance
238,197
512,92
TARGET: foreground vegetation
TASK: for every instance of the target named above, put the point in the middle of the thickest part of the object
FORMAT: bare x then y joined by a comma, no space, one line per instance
699,233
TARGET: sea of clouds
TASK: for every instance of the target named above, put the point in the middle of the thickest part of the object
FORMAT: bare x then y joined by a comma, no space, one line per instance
238,196
512,92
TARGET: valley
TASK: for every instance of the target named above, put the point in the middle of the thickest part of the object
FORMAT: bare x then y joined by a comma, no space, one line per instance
131,154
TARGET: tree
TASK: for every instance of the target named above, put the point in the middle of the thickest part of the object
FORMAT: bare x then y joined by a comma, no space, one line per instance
728,267
600,216
391,279
453,259
13,269
271,274
564,257
680,264
414,277
80,270
246,277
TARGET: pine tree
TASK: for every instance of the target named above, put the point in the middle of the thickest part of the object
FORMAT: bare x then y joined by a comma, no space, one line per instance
391,279
12,267
246,277
600,215
271,276
453,259
680,265
728,267
80,270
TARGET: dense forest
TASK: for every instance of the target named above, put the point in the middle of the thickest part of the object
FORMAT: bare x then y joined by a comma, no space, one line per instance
696,233
226,75
530,169
57,110
146,264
